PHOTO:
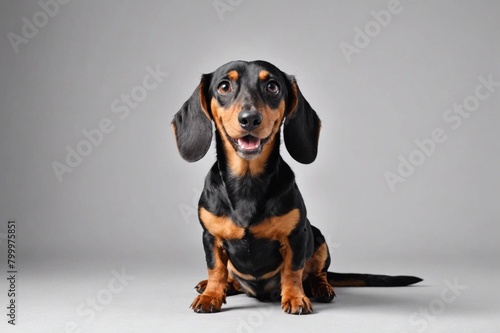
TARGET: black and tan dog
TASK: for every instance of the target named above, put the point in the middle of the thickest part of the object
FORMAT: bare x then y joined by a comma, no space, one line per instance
256,234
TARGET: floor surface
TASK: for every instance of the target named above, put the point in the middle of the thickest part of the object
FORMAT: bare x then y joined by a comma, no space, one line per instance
141,298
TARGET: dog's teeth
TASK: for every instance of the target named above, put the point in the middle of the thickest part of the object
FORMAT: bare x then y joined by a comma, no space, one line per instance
249,142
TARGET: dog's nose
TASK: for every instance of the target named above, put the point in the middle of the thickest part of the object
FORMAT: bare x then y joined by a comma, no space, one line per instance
249,119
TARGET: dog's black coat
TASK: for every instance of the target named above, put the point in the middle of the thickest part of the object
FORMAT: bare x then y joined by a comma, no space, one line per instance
257,237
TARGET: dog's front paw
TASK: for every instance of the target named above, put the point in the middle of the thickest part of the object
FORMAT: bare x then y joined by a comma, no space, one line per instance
296,305
207,303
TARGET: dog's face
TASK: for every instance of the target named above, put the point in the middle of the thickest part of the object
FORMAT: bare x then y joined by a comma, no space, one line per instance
247,101
247,104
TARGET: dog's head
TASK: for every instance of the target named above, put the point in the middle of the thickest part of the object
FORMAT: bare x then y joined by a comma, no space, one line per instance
248,102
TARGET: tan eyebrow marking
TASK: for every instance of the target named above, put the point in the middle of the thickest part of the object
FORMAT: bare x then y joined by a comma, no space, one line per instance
263,74
233,75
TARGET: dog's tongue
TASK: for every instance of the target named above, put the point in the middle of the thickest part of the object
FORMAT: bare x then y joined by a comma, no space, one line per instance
249,142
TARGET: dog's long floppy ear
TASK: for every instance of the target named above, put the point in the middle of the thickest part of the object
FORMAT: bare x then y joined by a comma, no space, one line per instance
193,125
302,126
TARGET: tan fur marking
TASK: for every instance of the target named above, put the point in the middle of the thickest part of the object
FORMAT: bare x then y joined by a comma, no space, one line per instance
217,277
272,119
316,263
226,121
233,75
263,74
268,275
314,270
293,298
214,294
277,227
175,134
220,226
233,271
291,281
203,101
295,100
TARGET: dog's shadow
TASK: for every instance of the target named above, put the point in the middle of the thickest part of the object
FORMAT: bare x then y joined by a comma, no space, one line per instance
346,298
372,298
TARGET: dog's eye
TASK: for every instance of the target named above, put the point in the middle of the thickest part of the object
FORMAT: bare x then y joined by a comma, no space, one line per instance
224,87
273,87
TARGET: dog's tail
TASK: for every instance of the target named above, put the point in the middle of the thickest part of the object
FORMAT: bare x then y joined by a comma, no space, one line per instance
370,280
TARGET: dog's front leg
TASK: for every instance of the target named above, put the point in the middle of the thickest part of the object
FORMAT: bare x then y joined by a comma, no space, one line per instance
214,295
293,298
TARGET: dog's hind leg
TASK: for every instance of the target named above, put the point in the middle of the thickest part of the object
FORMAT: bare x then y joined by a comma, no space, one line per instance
316,283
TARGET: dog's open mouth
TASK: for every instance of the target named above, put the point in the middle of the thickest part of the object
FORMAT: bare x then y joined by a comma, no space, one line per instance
249,146
248,143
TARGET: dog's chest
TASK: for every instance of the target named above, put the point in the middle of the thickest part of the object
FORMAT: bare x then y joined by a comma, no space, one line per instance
253,250
254,257
272,228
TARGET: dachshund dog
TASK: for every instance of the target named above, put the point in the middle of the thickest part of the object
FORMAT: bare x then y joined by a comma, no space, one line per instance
256,234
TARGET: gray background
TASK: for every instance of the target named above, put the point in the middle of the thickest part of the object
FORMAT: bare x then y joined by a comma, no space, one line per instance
130,203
